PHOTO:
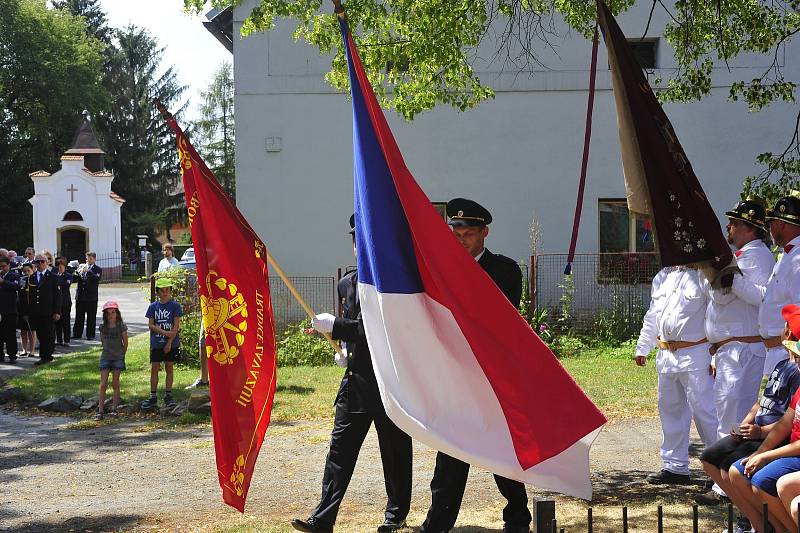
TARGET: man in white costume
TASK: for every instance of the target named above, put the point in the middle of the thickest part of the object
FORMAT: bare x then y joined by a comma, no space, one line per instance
731,323
783,286
675,322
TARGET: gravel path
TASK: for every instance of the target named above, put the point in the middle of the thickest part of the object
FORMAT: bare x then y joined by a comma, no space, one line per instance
124,477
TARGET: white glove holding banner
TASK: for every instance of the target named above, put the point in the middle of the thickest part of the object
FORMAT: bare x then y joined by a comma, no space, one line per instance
323,322
341,359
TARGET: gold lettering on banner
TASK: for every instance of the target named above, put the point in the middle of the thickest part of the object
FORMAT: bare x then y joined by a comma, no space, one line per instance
183,153
246,394
194,205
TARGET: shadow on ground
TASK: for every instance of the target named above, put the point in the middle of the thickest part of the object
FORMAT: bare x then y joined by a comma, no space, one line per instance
110,522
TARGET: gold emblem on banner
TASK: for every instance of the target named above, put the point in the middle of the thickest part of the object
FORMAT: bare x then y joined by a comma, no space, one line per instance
237,476
224,319
260,250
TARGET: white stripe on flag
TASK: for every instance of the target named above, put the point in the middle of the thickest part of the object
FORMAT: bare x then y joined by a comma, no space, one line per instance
434,389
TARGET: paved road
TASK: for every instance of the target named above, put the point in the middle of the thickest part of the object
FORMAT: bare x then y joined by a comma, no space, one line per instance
132,304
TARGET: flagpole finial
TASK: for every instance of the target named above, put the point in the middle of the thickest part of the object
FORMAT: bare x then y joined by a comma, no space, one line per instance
338,8
161,109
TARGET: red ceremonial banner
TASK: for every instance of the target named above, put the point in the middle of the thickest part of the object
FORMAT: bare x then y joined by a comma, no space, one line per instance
237,316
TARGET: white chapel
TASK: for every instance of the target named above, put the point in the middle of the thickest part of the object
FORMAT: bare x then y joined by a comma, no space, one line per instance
74,209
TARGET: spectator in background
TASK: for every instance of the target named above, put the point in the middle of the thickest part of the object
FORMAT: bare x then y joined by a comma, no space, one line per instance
9,287
88,278
50,259
26,332
30,253
164,320
65,279
3,252
169,260
43,307
114,336
12,255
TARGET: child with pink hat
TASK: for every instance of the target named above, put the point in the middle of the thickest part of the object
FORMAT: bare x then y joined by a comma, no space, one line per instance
114,336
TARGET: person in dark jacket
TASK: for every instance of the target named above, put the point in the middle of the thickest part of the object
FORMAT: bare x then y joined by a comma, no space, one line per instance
9,287
358,405
88,278
65,279
470,222
42,306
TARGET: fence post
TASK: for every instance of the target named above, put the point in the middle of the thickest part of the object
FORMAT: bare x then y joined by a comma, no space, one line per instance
544,514
532,289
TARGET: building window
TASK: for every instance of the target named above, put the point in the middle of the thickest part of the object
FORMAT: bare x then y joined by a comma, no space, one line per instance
72,216
646,52
627,248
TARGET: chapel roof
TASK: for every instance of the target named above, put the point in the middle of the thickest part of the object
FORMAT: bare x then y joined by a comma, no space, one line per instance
85,140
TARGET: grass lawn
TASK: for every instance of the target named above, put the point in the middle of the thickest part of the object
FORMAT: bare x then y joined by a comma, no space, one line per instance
608,375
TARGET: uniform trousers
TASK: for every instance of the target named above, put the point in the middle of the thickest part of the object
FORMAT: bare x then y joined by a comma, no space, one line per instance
774,356
447,490
8,335
738,380
89,311
62,326
681,397
349,431
45,333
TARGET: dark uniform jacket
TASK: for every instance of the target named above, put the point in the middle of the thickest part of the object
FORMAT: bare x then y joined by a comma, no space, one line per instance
41,298
506,274
359,390
87,284
9,287
65,279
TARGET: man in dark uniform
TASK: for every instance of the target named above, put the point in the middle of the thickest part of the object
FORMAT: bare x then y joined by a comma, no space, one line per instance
43,307
65,279
86,297
9,287
358,404
470,222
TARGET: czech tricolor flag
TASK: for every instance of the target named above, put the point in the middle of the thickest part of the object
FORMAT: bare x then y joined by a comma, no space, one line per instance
458,367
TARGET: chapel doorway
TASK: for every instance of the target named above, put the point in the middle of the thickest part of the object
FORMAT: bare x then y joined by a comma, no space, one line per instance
73,244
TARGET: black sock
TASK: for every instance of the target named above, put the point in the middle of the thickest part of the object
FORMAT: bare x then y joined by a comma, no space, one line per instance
153,394
167,392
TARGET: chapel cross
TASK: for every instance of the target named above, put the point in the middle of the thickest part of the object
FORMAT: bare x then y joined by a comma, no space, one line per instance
71,192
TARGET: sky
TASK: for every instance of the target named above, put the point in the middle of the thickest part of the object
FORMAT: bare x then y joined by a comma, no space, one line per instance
189,47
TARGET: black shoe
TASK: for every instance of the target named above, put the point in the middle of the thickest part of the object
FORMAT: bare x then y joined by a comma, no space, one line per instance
710,498
12,359
519,528
388,526
311,525
42,361
665,477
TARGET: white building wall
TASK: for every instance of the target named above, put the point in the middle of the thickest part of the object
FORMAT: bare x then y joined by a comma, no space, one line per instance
518,154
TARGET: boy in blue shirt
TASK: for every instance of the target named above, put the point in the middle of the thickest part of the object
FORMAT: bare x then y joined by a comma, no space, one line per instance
164,321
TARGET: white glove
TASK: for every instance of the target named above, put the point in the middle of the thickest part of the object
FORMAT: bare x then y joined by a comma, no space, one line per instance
323,322
341,360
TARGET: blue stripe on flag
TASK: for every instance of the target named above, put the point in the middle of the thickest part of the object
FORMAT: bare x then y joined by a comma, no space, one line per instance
385,252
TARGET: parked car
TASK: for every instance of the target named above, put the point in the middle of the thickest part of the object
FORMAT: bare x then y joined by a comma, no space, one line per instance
187,259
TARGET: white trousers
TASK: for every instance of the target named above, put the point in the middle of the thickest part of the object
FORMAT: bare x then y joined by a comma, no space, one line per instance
774,356
681,397
739,370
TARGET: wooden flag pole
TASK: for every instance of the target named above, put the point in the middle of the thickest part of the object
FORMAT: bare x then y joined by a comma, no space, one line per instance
299,297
